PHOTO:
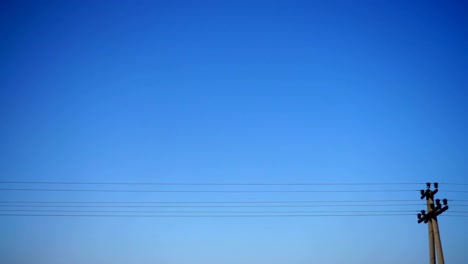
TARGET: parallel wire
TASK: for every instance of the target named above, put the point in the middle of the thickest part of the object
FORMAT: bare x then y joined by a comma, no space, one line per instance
226,184
214,202
206,191
205,216
324,202
213,216
217,212
209,206
201,184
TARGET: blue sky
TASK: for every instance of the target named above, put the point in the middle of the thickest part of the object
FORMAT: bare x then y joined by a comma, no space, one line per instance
241,91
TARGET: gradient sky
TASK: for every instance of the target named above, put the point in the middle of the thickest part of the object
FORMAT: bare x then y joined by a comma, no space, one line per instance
232,91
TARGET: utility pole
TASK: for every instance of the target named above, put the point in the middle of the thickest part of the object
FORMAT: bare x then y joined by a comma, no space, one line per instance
430,233
430,218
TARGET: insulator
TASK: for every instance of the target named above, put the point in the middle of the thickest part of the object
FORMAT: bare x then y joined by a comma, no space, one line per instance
445,201
436,185
423,194
428,185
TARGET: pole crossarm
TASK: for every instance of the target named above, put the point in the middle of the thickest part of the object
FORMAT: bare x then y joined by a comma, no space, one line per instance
436,209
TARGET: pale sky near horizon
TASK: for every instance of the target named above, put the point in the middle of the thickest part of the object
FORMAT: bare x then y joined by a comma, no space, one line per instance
233,92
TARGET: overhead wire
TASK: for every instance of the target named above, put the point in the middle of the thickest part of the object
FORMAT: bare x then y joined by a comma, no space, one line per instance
204,191
208,206
226,183
202,184
217,212
26,206
216,202
216,216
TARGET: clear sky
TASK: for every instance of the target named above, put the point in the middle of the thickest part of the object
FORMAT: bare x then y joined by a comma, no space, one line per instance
232,91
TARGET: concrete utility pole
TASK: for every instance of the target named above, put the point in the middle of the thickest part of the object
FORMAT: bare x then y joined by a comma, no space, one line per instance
431,219
430,233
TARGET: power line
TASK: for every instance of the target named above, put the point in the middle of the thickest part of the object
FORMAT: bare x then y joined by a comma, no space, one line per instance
201,184
459,184
224,184
210,202
207,206
206,191
205,216
218,212
365,202
212,216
